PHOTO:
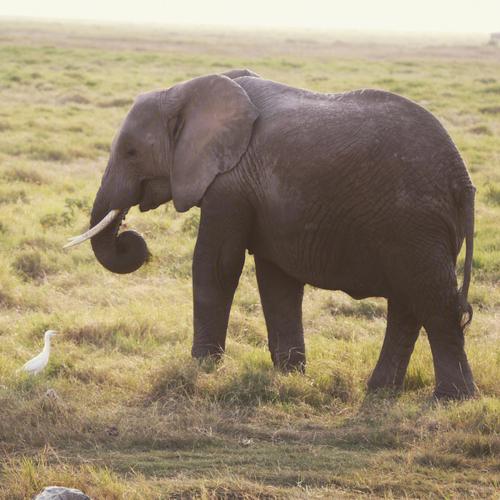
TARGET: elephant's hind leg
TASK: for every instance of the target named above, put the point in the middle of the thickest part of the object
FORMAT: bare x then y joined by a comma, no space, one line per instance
400,336
437,304
281,298
446,337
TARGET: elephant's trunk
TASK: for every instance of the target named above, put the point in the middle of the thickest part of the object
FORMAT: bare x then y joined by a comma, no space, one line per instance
119,253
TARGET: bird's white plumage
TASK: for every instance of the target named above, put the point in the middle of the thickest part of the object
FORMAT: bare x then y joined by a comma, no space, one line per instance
38,363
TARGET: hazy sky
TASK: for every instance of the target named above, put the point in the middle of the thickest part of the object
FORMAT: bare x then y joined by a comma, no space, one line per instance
396,15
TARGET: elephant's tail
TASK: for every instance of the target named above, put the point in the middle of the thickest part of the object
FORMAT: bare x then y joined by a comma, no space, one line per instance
467,215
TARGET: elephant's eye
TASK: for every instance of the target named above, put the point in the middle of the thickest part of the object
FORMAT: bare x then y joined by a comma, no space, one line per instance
131,152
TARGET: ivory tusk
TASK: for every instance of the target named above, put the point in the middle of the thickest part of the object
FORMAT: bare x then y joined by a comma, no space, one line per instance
106,221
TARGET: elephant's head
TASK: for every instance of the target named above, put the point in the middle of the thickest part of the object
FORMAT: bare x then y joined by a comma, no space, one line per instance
172,145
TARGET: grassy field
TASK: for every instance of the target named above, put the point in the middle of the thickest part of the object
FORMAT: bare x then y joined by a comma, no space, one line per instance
132,416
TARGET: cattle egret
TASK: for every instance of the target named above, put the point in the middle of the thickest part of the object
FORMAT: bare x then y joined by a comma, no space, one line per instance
38,363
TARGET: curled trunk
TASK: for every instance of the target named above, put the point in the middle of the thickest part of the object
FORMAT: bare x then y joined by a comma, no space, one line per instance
119,253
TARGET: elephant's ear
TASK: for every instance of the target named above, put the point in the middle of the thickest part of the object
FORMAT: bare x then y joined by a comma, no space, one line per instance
211,132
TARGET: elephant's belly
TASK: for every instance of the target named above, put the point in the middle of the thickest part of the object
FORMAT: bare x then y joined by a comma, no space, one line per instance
323,259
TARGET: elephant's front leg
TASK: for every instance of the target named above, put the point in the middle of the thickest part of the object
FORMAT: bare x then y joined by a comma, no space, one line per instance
217,263
281,297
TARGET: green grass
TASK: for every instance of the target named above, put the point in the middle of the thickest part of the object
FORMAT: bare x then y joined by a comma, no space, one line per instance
133,415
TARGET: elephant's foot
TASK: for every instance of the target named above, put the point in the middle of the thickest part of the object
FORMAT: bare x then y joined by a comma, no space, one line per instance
281,296
455,381
207,352
292,360
454,378
389,374
454,393
390,378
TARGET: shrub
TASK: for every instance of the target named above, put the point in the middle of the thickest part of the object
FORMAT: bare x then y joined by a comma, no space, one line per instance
30,266
64,219
28,175
13,196
494,89
481,130
490,110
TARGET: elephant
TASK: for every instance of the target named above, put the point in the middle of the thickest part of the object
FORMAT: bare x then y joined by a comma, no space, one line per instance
361,191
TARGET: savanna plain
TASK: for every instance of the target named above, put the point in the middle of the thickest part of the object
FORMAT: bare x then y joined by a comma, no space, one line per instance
121,410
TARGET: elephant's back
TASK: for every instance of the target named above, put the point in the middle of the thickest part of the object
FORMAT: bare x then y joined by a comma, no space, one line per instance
350,141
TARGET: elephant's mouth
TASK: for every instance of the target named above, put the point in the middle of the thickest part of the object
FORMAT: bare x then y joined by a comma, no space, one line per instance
154,192
120,221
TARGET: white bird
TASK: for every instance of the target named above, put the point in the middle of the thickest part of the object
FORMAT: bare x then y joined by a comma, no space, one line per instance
38,363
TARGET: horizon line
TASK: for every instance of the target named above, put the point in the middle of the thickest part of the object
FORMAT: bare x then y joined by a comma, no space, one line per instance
238,27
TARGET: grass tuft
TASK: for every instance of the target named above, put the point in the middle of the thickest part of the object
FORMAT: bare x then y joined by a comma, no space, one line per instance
178,377
27,175
249,382
481,130
339,383
14,196
475,446
490,110
26,477
31,265
492,194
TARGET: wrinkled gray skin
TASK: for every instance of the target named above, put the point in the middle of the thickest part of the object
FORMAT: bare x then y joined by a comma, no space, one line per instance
362,191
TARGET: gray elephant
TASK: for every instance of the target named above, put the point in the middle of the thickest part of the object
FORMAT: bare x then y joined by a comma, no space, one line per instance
361,191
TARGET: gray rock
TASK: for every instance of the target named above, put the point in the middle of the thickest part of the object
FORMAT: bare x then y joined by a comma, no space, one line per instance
61,493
